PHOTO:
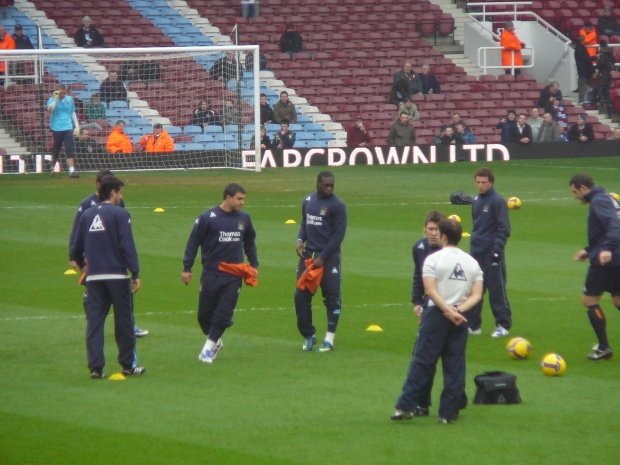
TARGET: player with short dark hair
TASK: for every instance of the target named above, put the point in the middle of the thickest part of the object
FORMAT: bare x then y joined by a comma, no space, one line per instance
85,204
490,232
104,241
453,282
603,252
322,230
224,233
64,125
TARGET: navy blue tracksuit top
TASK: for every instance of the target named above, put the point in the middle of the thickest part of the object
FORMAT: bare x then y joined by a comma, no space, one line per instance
603,226
105,238
421,250
323,224
491,227
223,237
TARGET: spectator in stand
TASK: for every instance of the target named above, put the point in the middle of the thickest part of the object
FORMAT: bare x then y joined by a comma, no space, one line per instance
549,130
159,141
22,42
558,111
581,131
266,112
230,113
446,137
535,121
284,139
430,83
402,133
456,119
6,43
507,125
511,49
86,145
112,89
225,68
590,39
549,93
357,135
605,65
87,35
204,115
585,71
410,108
291,41
464,135
284,110
522,131
615,135
265,142
95,109
405,84
607,24
118,141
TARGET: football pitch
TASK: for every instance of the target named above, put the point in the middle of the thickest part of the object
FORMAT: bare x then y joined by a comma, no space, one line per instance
264,401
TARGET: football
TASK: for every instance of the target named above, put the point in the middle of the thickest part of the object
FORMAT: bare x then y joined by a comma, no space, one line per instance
514,203
455,217
553,365
615,196
518,348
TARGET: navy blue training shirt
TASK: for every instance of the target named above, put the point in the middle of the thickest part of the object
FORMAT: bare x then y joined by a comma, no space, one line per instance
491,227
603,226
105,239
323,224
421,250
223,237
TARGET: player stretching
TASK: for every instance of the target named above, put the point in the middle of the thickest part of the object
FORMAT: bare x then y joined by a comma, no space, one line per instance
603,251
322,230
223,233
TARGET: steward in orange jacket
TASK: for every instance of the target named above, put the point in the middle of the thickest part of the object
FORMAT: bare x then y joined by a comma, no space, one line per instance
158,142
589,38
511,47
6,43
118,141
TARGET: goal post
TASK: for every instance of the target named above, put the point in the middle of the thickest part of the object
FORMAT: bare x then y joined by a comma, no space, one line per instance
206,100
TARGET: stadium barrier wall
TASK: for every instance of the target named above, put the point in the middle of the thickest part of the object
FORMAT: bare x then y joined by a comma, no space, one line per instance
303,157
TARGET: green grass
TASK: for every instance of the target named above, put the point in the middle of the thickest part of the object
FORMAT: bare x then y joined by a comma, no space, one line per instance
264,401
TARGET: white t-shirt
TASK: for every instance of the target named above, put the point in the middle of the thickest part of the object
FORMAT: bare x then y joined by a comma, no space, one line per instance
455,272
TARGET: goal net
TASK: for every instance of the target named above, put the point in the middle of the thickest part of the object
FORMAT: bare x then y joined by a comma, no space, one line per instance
204,98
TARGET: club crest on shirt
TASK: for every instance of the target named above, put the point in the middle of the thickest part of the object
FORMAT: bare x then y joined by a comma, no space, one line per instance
486,208
240,226
323,211
458,274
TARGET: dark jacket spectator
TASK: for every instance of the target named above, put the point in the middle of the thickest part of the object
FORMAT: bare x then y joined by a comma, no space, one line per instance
552,91
581,131
266,112
507,125
284,139
22,42
204,115
522,132
88,35
607,24
85,145
430,83
291,41
604,65
405,84
265,142
112,89
225,68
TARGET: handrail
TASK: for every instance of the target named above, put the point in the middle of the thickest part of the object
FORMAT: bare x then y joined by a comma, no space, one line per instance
482,60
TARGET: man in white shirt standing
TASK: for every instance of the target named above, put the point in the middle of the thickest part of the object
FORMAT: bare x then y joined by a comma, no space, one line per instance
453,282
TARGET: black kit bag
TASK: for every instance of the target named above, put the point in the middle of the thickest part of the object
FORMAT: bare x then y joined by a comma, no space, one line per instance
496,387
461,198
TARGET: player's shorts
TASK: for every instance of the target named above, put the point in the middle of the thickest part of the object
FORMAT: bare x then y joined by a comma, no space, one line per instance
602,279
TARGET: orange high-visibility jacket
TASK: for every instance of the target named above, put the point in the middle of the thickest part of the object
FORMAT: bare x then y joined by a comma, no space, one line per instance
6,43
589,38
511,46
151,144
118,141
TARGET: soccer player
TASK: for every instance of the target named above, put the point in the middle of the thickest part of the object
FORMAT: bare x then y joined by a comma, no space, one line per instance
603,252
322,230
85,204
488,239
453,282
104,241
223,233
64,125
